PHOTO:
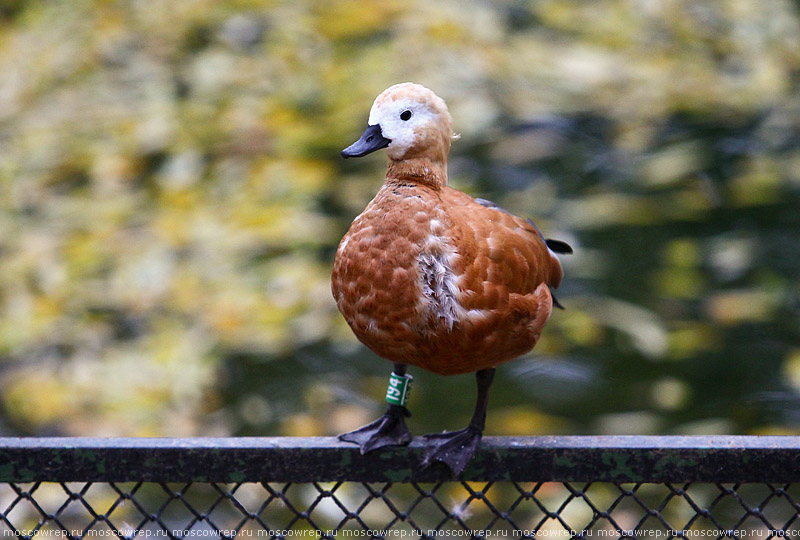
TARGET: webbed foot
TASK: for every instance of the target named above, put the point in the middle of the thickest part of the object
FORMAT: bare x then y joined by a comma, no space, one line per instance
454,448
388,430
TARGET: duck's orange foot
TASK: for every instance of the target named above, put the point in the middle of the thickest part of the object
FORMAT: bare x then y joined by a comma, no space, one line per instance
453,448
388,430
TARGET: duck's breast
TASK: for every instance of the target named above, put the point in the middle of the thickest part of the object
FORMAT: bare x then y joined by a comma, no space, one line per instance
382,268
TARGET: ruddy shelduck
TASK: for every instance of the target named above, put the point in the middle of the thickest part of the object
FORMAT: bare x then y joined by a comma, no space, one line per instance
429,276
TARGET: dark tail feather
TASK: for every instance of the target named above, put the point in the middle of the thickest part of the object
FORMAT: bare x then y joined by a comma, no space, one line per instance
556,303
558,246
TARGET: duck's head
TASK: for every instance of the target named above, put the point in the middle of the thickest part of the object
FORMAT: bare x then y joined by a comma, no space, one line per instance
410,121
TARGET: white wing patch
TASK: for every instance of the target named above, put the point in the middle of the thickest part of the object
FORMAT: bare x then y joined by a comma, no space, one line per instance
437,280
439,284
439,289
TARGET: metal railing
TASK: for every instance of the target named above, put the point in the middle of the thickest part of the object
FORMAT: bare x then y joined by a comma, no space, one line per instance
531,487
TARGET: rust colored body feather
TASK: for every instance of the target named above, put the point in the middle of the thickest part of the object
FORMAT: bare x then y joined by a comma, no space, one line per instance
431,277
428,276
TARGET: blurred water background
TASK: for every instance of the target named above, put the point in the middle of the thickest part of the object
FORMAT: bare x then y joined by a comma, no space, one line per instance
171,196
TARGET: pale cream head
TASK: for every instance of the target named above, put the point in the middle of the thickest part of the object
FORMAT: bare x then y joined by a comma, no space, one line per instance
416,121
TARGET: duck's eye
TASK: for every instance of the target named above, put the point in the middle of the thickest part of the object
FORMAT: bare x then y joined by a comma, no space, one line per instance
405,115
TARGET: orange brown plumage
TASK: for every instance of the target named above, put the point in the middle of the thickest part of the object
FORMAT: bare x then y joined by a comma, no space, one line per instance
495,268
431,277
499,264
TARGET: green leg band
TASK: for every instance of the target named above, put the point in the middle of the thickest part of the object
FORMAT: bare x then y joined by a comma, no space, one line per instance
399,388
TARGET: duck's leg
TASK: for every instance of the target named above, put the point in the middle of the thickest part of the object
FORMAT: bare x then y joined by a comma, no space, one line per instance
388,430
455,448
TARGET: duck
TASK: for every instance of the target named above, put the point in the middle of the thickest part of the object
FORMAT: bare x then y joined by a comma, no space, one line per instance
430,277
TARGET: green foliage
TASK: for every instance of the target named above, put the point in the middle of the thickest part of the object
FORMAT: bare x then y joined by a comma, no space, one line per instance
171,194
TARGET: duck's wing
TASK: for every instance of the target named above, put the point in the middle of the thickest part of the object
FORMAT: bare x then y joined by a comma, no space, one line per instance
557,246
551,246
490,204
499,247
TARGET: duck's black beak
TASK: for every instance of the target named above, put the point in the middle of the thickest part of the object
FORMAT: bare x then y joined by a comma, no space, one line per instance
371,140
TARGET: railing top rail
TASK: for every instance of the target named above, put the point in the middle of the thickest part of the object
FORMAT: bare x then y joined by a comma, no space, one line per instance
320,459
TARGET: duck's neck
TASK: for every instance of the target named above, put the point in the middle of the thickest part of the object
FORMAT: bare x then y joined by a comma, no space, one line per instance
421,170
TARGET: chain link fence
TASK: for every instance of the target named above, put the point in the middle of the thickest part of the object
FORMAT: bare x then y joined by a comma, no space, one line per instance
77,489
